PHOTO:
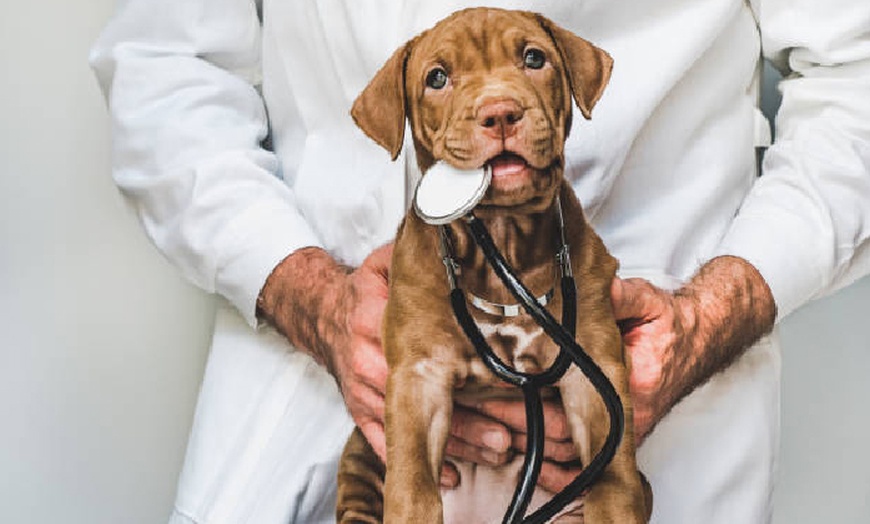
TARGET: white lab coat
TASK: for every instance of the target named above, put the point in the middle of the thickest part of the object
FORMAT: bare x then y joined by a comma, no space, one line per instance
665,169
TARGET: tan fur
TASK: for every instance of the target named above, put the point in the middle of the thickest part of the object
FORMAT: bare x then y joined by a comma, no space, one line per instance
431,362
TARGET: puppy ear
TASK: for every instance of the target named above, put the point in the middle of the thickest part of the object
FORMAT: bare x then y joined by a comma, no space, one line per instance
588,66
380,109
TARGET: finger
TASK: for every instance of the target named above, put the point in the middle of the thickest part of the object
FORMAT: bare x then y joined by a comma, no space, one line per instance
633,298
365,403
378,262
449,475
554,477
382,256
479,431
512,413
374,433
375,403
555,421
461,450
369,366
554,450
367,317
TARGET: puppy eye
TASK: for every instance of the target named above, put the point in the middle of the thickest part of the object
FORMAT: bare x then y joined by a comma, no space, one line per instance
437,78
534,58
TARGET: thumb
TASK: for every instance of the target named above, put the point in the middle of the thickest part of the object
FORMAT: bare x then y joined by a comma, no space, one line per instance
634,298
381,258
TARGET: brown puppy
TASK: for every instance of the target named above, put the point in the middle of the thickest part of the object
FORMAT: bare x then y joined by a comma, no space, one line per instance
488,86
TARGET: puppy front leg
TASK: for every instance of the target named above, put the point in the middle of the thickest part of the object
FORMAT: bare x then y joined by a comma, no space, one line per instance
619,496
360,483
419,406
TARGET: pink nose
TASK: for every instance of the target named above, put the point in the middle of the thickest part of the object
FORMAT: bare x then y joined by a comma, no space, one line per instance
499,117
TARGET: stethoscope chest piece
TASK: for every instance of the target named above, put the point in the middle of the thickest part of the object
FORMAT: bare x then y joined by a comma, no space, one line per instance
446,193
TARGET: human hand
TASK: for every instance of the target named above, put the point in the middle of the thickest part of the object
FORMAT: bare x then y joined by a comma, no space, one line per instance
490,433
493,431
334,313
355,355
677,341
656,326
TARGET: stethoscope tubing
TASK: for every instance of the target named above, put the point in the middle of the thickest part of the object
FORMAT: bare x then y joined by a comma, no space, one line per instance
571,352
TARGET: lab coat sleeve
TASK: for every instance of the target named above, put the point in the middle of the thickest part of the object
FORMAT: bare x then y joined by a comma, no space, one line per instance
181,77
805,224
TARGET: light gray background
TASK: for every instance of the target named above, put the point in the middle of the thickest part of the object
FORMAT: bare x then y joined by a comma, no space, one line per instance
102,344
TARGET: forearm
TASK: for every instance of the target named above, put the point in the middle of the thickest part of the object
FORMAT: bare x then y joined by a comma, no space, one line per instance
725,308
300,300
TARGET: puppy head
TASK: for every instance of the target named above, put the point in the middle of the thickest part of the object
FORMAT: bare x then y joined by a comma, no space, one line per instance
488,86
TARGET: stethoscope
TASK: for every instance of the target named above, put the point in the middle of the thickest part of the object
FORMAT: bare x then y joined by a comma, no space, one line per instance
446,194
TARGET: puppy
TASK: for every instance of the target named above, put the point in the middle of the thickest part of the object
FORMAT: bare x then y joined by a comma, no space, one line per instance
488,87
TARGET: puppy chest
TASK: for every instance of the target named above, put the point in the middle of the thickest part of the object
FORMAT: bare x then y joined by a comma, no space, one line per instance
518,342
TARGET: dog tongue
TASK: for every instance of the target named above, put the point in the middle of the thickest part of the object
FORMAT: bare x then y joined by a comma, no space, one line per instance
506,165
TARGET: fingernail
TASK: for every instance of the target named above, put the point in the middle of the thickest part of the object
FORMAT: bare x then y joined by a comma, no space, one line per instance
448,481
495,440
492,457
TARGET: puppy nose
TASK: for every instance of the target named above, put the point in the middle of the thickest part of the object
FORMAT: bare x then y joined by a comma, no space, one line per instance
499,118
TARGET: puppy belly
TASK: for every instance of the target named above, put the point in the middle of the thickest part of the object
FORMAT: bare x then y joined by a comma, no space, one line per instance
484,493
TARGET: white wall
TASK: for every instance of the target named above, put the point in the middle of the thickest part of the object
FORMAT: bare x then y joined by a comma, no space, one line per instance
102,344
824,474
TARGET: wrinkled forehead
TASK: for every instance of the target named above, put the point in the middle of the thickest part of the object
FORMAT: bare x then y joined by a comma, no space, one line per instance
477,40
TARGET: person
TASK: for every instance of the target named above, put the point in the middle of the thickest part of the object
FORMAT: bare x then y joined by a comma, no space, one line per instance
233,143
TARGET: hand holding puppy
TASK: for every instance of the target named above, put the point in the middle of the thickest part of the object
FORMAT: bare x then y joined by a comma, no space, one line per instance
677,341
334,313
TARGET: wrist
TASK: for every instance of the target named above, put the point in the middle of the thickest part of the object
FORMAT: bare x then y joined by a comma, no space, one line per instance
300,299
723,310
733,304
